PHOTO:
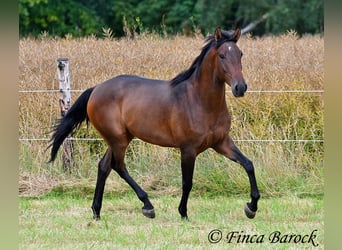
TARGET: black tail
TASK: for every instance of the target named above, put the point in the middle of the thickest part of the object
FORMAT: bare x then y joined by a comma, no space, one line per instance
74,117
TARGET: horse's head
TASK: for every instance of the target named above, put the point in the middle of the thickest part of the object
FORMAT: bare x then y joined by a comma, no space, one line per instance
229,60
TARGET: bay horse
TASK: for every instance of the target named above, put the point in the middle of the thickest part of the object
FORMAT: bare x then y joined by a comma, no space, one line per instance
188,112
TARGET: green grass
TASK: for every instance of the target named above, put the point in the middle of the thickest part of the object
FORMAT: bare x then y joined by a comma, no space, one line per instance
158,169
64,221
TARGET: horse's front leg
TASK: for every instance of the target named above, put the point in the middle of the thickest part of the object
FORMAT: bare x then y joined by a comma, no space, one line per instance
187,163
229,149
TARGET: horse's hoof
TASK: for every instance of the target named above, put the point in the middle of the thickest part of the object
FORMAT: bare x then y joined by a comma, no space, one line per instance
96,217
249,213
185,218
149,213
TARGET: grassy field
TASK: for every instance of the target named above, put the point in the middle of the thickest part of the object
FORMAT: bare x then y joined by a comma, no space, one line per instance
54,205
64,221
271,63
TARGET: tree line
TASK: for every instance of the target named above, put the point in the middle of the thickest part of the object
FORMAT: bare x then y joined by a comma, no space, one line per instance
119,18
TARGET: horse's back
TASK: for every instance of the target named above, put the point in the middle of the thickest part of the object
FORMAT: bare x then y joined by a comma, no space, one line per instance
134,105
127,88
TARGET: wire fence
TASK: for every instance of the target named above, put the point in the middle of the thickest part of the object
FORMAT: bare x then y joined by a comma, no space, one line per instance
136,139
249,91
318,140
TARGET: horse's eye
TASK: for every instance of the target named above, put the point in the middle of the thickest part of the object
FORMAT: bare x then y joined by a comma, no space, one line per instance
241,54
222,56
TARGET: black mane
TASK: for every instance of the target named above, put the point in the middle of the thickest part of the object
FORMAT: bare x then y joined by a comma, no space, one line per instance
227,36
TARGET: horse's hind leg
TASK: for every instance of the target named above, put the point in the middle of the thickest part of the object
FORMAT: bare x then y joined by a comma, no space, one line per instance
228,148
120,168
104,168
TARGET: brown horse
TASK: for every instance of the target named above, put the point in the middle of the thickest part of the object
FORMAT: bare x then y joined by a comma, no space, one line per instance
189,112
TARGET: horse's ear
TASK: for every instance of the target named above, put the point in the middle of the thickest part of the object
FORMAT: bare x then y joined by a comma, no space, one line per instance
237,34
218,34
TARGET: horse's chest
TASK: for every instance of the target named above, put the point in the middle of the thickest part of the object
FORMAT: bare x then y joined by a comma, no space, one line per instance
214,135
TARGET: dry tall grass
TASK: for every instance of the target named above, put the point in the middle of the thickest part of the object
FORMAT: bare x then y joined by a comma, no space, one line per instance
270,63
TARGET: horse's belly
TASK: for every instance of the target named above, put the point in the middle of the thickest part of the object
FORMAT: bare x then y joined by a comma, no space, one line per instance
151,129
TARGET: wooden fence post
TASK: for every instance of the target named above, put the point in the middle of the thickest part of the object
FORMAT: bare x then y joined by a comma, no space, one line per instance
65,103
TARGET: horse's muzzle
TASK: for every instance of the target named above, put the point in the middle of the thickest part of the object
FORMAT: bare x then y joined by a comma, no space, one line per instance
239,88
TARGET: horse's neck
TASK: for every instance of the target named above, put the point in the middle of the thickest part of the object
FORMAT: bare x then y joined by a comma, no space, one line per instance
210,90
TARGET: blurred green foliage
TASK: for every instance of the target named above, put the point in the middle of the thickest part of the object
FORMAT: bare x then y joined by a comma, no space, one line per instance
86,17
